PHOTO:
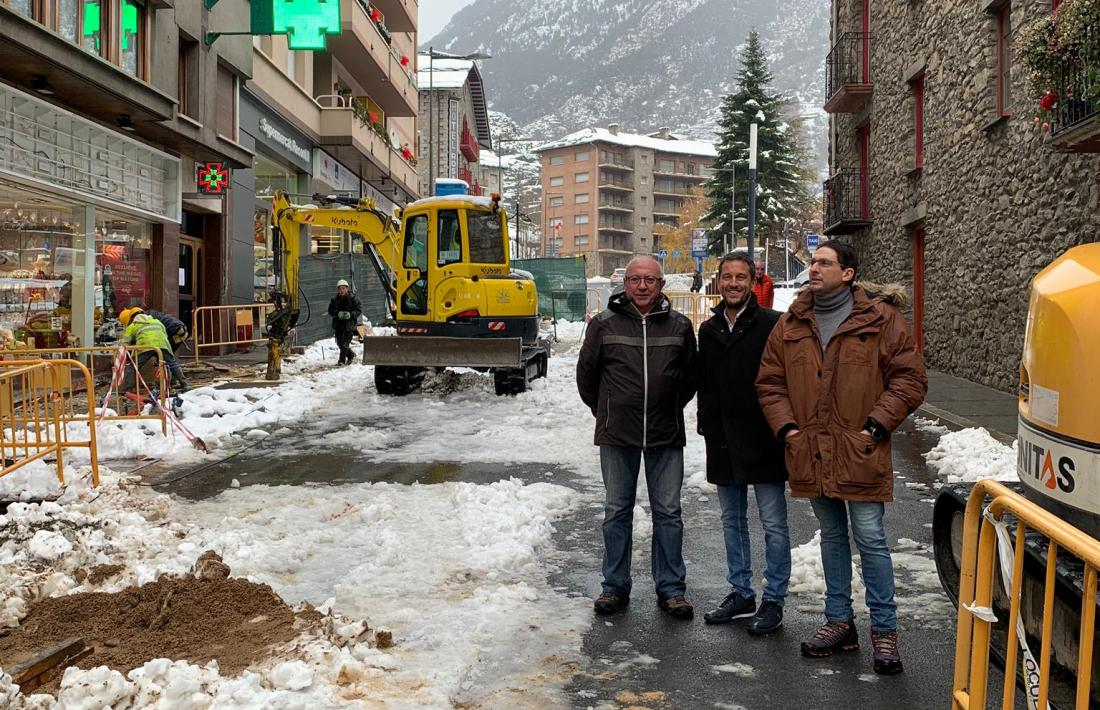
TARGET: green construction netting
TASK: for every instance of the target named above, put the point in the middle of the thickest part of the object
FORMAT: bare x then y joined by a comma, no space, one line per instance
561,284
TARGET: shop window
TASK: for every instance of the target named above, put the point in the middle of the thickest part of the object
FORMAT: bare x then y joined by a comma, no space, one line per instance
131,38
123,254
263,257
486,237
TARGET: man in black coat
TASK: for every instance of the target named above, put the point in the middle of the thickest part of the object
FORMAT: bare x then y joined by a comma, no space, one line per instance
636,373
741,449
345,311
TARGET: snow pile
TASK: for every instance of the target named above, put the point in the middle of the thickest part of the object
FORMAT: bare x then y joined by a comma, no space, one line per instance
971,455
932,426
808,577
34,481
456,570
698,480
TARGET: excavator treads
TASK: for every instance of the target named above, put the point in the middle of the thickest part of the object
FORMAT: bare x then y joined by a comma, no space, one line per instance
439,351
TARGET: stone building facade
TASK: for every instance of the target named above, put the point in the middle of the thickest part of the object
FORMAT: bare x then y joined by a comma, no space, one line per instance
940,177
454,123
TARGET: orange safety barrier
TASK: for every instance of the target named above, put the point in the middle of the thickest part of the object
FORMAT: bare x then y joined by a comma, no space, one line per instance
35,400
226,326
696,306
127,403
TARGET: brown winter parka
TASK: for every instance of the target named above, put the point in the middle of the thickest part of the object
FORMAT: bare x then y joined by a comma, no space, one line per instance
870,369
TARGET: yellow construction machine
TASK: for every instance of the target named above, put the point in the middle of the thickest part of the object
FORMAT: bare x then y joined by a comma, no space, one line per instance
1058,455
452,295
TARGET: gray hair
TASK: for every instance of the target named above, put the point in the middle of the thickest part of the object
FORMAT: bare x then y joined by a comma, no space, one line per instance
641,258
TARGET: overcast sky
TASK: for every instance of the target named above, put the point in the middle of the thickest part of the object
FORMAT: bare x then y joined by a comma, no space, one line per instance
434,15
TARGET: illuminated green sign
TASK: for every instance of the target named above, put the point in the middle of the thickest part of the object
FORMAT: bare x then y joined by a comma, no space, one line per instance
305,22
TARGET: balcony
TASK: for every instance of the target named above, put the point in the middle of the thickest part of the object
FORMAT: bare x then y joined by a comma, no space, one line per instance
351,141
404,174
400,14
466,175
846,202
613,205
614,243
1076,124
613,182
467,144
609,224
616,164
378,66
848,73
671,189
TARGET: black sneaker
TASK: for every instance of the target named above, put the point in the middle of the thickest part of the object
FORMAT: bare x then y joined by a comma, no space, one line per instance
830,637
767,620
608,603
887,656
734,606
677,607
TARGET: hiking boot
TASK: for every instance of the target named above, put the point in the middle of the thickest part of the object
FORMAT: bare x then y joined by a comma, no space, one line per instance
767,620
608,603
830,637
677,607
887,656
734,606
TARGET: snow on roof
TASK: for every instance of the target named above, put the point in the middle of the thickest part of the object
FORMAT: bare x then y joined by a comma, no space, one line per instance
477,201
442,73
634,140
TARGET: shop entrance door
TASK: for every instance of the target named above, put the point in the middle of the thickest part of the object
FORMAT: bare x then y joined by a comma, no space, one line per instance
190,278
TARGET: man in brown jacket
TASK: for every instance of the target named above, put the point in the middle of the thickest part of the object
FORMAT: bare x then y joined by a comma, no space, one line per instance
840,372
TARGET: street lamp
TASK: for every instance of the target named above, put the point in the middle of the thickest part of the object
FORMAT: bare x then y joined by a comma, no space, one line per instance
432,56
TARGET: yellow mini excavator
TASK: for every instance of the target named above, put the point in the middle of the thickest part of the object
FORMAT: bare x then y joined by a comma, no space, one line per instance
1058,457
452,295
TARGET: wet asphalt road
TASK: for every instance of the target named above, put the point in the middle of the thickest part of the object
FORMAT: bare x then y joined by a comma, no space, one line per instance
641,658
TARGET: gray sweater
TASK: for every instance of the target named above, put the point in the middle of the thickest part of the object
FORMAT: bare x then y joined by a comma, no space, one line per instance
830,311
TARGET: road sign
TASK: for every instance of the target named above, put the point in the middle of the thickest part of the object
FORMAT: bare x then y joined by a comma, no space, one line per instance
675,255
664,253
698,243
812,241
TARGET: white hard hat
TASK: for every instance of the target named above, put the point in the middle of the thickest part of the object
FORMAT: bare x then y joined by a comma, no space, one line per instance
341,282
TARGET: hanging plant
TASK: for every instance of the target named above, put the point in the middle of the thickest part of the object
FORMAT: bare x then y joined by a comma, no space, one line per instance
1062,53
404,60
375,15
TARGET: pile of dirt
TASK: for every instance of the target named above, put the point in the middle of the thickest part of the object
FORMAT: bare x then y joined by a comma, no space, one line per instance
194,618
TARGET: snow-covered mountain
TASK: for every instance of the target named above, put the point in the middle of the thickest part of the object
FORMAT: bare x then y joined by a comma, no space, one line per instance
561,65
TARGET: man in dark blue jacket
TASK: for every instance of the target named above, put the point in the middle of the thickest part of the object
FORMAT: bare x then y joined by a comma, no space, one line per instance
741,450
345,310
636,372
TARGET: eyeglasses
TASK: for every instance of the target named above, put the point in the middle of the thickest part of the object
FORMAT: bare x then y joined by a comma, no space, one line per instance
647,280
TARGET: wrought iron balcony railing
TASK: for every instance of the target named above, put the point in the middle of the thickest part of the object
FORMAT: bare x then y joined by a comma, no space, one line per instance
848,73
1076,122
846,202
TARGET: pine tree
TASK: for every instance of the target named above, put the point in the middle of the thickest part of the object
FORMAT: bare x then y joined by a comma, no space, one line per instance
782,178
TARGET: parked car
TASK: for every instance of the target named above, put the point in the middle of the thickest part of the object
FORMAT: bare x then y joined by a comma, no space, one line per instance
796,282
617,277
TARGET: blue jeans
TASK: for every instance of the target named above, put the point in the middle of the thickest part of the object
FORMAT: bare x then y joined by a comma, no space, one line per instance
874,553
664,476
771,501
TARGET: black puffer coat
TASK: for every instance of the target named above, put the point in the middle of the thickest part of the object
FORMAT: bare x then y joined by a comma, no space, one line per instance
741,448
347,303
637,374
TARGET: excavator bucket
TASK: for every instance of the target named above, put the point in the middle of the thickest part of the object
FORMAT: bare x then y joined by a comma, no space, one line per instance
438,351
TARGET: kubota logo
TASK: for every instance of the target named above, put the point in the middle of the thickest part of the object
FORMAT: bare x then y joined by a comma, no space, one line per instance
1038,462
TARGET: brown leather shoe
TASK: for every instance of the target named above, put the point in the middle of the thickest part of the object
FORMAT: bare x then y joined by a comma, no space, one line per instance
677,607
608,603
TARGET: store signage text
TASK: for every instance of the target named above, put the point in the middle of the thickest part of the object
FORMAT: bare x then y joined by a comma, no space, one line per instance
276,136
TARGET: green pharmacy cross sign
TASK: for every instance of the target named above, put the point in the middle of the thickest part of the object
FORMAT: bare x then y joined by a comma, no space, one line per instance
306,23
213,178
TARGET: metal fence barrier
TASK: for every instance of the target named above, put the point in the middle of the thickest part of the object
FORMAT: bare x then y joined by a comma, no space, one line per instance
127,403
35,406
696,306
228,326
976,587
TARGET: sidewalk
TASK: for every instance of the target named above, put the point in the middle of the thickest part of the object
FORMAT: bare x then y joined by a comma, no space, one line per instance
967,404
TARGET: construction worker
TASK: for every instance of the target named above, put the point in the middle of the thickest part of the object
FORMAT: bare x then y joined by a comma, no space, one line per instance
143,330
345,311
177,331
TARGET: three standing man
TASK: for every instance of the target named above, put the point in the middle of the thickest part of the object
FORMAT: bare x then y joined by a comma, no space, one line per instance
814,393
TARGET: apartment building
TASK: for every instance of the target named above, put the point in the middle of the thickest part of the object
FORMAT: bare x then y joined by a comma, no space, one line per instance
454,123
108,108
342,120
604,190
941,178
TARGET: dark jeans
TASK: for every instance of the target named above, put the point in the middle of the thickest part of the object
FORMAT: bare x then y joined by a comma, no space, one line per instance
144,358
343,341
664,476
